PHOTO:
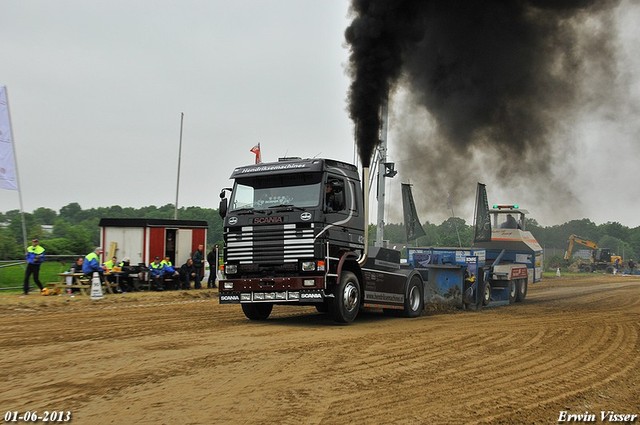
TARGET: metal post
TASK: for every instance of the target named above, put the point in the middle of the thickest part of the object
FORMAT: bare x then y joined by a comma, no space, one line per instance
175,212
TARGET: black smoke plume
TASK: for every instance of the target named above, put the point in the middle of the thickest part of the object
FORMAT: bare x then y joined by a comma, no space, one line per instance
496,79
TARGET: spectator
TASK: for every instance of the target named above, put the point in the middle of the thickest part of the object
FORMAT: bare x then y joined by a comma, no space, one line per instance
212,259
198,263
34,257
76,266
126,281
170,273
108,265
91,264
156,274
187,274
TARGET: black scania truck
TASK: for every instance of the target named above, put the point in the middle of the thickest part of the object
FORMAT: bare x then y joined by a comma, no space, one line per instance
294,233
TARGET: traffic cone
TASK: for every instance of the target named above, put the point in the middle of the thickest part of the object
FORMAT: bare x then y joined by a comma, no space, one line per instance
96,287
558,272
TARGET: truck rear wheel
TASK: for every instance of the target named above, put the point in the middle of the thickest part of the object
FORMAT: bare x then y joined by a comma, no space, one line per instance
522,290
486,294
257,311
513,291
345,304
413,301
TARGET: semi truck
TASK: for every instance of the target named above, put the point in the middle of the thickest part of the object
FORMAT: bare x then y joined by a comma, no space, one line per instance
295,233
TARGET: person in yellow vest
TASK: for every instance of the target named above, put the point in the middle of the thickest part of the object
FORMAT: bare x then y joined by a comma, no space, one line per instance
91,264
156,274
170,273
110,264
111,267
34,257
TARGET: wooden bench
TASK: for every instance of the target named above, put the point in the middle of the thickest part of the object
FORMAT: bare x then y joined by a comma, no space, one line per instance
61,287
83,284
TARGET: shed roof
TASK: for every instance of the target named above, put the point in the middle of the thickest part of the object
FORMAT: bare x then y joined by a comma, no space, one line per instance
151,222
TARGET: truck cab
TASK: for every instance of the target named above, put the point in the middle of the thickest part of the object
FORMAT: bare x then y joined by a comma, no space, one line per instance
287,225
294,233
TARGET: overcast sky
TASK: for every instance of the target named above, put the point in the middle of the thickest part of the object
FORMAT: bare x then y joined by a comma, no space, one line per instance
96,89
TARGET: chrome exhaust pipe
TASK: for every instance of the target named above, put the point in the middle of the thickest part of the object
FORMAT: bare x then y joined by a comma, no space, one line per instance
365,196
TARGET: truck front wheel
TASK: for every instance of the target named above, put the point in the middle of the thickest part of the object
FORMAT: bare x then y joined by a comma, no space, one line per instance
257,311
345,304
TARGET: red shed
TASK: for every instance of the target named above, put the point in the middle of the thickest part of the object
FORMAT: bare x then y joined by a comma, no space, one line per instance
141,239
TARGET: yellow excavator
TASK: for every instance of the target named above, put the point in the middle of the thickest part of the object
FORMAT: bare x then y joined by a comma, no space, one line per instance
601,258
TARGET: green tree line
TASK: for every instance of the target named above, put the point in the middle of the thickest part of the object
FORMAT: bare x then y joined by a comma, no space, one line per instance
76,231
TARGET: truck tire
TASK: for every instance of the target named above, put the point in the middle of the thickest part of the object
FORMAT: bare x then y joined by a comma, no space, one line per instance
486,294
522,290
413,300
345,304
513,291
257,311
609,270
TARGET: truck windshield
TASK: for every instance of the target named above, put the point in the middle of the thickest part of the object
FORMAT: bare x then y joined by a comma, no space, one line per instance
504,220
300,190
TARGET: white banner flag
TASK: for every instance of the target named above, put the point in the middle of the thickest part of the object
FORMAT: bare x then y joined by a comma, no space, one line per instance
8,178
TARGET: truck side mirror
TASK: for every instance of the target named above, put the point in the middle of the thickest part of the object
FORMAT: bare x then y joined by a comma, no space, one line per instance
222,209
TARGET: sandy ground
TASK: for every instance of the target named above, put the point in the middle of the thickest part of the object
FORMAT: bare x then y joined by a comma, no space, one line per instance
181,358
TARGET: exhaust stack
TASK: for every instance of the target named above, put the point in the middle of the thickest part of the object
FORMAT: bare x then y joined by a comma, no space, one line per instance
365,196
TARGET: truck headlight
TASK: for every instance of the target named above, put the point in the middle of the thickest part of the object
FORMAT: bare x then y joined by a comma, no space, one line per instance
227,285
308,266
231,269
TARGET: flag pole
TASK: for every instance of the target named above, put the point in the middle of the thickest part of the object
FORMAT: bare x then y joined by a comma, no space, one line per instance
175,212
15,165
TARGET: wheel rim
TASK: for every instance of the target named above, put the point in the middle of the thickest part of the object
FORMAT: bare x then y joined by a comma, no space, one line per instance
350,297
487,293
513,289
414,298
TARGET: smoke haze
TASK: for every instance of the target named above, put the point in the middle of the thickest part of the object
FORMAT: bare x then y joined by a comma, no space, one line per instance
482,91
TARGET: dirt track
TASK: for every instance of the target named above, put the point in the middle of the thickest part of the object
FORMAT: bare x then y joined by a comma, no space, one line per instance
180,357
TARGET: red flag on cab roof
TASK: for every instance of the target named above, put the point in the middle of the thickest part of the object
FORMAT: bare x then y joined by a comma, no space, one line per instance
256,151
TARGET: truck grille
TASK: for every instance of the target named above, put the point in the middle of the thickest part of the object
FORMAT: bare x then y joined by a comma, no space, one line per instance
270,244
